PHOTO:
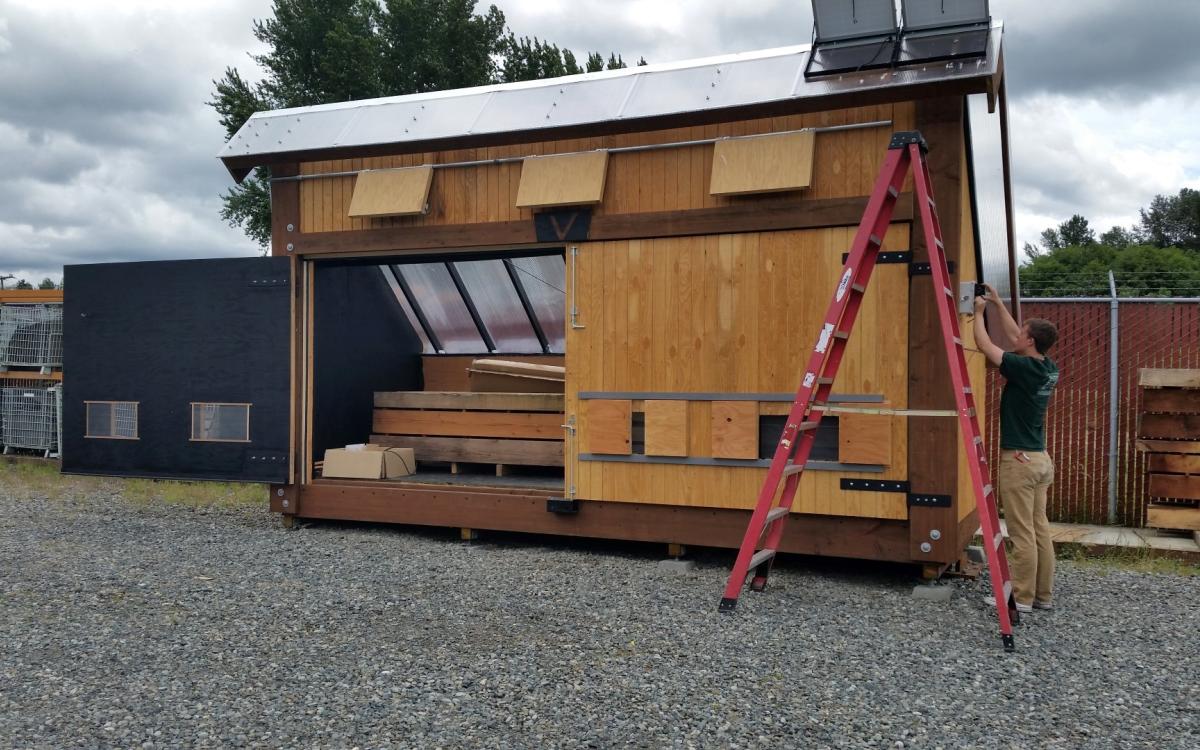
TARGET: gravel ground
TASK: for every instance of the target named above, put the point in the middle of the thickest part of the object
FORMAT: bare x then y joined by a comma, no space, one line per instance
135,625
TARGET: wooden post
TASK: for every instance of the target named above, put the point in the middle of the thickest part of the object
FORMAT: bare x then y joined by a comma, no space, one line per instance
285,228
933,444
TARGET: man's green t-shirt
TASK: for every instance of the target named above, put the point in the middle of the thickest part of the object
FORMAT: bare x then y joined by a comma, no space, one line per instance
1029,383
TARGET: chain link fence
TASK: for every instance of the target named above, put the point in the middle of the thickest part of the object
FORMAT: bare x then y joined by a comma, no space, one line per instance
1091,425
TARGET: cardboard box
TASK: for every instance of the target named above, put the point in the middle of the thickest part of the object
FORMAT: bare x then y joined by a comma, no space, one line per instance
368,461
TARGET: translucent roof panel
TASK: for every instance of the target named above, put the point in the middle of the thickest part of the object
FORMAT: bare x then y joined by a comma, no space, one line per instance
545,280
499,306
987,174
591,98
435,293
390,277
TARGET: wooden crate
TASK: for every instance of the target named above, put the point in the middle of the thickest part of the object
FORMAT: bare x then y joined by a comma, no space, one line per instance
1169,432
518,429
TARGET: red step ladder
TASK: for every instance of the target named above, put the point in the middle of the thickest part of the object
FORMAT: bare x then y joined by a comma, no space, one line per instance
765,530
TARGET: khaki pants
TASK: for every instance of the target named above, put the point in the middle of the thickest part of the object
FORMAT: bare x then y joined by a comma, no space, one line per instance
1023,488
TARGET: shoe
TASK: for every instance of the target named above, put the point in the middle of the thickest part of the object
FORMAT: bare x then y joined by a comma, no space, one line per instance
1042,605
1023,608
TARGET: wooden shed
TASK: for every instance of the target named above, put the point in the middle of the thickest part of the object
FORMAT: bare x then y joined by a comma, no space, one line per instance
584,303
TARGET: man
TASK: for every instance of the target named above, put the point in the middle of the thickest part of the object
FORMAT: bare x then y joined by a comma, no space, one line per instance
1026,471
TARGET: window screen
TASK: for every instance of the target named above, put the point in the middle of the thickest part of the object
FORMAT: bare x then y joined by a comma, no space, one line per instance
221,423
116,420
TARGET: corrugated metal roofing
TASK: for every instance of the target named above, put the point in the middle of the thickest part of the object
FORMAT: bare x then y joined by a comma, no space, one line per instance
713,83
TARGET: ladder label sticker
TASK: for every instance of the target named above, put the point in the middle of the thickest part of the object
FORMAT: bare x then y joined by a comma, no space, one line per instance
809,379
843,285
823,339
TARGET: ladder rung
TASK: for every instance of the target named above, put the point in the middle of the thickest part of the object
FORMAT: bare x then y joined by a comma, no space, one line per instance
876,241
958,341
893,192
998,540
1007,592
948,292
824,381
858,288
761,557
931,203
939,244
968,390
810,425
791,469
843,335
987,490
777,513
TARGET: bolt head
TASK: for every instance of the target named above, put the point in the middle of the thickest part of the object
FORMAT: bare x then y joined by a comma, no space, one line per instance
290,247
935,534
285,503
279,492
291,227
925,546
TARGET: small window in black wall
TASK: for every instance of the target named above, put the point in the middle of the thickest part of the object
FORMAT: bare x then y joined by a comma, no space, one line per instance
770,427
220,423
113,420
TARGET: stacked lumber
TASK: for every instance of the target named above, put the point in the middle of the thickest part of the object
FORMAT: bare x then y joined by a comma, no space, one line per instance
519,429
507,376
1169,433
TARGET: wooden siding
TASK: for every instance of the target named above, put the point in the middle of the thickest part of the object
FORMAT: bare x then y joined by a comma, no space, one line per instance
976,361
845,165
730,313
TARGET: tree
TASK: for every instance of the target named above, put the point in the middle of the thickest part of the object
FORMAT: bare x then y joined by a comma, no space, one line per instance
1119,238
1139,270
322,51
23,284
47,283
1173,220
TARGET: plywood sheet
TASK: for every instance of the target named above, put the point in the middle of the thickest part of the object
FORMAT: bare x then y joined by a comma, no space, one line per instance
391,192
666,428
531,425
865,439
478,450
458,400
735,429
764,164
1173,517
563,180
607,426
1169,378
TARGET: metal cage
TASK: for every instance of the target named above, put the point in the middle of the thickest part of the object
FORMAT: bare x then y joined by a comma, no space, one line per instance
31,335
29,418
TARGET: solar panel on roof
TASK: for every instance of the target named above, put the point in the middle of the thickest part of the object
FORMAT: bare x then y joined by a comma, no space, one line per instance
849,58
838,20
951,45
935,14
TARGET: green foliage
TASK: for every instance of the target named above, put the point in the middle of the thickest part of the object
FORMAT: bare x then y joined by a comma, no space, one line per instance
1140,271
47,283
322,51
1173,220
23,284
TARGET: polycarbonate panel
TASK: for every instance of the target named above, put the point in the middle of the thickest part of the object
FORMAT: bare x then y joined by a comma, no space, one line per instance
437,296
402,300
545,280
928,14
847,19
499,306
299,130
988,174
569,103
752,81
417,120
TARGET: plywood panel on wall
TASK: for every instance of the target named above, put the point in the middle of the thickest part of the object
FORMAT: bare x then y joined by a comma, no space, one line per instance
731,314
844,164
765,164
666,428
607,426
734,427
563,180
391,192
865,439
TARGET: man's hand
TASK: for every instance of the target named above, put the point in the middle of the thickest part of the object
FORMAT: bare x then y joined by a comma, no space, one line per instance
992,296
980,305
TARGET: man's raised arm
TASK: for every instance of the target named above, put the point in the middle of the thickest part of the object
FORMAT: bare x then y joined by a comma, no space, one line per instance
1009,326
982,341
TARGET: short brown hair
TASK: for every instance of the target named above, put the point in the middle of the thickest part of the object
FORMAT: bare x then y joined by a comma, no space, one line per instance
1043,332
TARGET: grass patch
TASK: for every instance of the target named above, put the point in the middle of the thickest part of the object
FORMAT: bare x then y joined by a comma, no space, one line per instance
42,478
1137,559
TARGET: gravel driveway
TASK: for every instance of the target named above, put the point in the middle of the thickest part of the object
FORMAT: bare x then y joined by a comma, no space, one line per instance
134,625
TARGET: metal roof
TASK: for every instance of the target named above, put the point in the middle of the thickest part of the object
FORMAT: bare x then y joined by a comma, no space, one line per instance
713,83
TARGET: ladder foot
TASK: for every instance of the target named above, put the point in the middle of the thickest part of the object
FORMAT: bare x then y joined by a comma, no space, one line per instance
1014,617
1009,645
727,605
758,583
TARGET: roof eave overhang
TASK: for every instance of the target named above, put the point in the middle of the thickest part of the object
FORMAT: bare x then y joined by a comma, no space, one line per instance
241,166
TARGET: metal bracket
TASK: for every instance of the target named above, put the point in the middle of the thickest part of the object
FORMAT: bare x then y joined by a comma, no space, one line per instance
923,500
966,297
904,138
891,256
562,505
268,283
924,269
875,485
575,290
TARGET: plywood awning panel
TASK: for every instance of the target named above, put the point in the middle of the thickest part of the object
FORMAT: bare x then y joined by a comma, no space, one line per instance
563,180
391,192
763,164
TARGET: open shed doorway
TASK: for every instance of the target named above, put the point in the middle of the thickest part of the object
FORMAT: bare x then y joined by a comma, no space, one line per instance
459,357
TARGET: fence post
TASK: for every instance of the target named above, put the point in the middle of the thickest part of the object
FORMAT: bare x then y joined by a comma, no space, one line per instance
1112,398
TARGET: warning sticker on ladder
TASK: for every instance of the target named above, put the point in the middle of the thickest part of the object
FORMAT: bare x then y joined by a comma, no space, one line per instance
843,285
823,339
809,379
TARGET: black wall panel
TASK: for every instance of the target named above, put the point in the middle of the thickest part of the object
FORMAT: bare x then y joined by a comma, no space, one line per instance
166,334
362,343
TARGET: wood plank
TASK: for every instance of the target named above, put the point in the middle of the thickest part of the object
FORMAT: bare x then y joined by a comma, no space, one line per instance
31,375
525,511
607,426
563,180
1172,517
1168,463
30,296
469,424
478,450
865,439
734,429
448,372
1169,426
1171,400
1176,486
764,164
666,428
1168,378
1168,446
467,401
391,192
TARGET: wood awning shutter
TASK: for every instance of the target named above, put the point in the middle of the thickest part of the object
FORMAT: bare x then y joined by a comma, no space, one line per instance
763,164
391,192
563,180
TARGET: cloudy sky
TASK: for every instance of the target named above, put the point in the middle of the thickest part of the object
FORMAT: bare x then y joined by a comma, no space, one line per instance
107,148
